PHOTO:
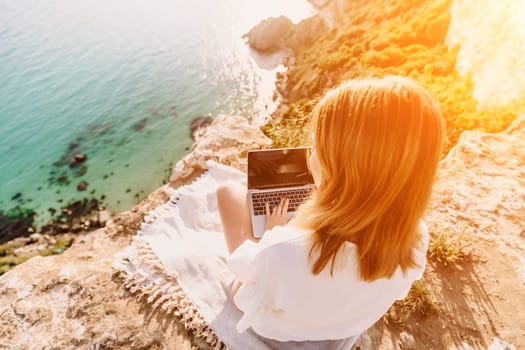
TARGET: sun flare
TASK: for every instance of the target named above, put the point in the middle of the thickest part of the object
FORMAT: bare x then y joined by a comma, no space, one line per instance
492,47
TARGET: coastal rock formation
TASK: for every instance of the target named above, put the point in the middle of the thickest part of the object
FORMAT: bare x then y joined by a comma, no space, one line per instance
280,34
198,124
270,35
226,140
70,300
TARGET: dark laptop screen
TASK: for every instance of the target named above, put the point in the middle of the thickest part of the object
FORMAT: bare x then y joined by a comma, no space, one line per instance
279,167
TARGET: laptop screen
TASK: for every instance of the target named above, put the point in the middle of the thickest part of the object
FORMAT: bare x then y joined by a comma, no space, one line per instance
279,167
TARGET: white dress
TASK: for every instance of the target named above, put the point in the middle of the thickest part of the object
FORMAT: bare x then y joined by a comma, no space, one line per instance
281,299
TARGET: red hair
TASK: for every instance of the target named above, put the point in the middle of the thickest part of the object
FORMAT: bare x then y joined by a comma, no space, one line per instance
378,142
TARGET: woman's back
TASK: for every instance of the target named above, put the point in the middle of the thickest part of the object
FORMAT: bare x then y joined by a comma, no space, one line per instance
288,302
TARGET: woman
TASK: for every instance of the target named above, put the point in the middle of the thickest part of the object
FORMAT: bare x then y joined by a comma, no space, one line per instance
357,245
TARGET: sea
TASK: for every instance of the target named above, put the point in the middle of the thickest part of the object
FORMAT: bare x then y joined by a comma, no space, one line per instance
119,81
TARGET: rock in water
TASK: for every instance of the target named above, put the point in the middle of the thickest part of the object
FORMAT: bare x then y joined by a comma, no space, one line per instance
79,157
82,185
198,124
271,35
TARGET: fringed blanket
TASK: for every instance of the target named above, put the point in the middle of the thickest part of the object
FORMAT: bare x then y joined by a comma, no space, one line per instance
176,263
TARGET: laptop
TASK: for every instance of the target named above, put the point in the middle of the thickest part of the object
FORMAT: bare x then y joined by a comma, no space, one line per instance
274,174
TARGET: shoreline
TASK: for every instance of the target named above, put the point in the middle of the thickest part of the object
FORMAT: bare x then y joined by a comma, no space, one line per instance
69,169
112,108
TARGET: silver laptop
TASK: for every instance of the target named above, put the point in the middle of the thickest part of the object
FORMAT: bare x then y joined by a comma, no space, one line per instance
274,174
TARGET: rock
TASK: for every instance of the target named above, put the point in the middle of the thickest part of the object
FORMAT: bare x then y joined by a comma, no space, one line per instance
76,228
63,228
21,241
364,342
35,237
306,32
140,124
270,35
71,301
198,124
82,185
407,340
81,171
465,346
80,158
16,196
226,140
104,216
499,344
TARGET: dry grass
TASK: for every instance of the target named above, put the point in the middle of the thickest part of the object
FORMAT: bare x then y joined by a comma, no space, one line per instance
418,303
449,249
418,300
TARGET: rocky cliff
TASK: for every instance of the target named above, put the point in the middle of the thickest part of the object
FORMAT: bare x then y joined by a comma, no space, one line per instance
72,301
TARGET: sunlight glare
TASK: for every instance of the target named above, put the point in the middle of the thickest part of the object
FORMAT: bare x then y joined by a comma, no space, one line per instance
491,36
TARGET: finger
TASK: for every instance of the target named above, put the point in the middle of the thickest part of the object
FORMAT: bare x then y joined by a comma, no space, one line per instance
279,207
285,205
267,209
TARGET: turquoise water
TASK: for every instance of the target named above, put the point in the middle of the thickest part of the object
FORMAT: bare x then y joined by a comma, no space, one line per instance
118,81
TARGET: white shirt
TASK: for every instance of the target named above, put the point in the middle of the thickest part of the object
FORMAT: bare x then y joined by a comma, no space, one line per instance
282,299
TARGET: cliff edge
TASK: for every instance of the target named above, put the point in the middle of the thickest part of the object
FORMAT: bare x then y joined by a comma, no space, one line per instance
72,301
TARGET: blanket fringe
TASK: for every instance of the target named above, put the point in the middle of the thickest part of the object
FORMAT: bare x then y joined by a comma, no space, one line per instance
163,294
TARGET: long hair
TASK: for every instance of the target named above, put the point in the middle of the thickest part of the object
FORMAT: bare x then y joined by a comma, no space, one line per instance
378,142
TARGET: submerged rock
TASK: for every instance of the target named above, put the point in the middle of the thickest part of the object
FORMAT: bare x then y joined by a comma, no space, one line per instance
198,124
140,124
82,185
78,159
16,196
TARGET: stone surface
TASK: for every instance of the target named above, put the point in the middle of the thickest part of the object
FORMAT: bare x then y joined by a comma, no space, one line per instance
480,190
499,344
226,140
407,340
270,35
198,125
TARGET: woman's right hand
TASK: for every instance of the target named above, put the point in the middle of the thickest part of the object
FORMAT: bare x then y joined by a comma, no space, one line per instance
277,217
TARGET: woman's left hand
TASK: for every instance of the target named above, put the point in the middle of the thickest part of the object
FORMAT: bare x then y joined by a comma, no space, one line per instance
277,217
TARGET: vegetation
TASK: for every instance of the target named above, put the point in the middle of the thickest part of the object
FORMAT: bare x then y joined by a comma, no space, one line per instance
449,249
418,300
405,38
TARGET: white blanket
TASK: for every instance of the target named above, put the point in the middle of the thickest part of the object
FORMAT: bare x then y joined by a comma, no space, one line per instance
176,263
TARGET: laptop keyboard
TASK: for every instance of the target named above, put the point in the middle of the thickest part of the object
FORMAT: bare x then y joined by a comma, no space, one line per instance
296,197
